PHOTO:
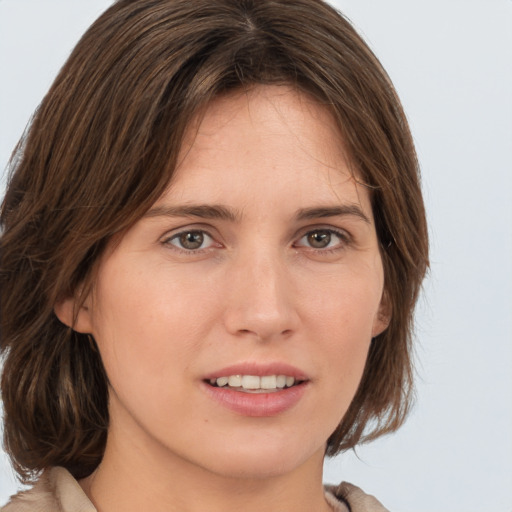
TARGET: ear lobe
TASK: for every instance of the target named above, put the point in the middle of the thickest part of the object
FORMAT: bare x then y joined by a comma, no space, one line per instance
383,316
78,319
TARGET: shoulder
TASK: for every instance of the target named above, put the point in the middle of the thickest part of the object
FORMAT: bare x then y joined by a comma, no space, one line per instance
55,491
41,497
354,498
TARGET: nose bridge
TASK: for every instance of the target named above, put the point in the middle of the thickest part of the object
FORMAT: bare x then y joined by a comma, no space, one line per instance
261,302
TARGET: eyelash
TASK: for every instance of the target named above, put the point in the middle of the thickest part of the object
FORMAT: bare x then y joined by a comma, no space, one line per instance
343,236
168,241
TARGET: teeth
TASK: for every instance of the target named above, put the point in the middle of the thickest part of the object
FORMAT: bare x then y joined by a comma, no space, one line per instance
280,381
235,381
268,382
253,382
222,381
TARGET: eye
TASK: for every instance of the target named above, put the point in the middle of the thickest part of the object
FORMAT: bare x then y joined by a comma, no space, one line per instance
323,239
191,240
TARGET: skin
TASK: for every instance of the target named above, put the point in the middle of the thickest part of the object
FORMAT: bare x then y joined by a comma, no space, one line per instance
254,291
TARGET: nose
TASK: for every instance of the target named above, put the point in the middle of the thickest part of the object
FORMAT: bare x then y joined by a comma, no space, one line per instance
261,298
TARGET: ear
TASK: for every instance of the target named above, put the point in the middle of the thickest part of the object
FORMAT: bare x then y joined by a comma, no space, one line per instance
383,316
76,316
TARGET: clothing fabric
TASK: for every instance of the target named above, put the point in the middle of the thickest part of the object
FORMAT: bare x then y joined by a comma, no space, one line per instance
58,491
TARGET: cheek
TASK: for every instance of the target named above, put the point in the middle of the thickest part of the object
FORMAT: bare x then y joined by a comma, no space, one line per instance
343,340
348,305
151,324
138,319
345,317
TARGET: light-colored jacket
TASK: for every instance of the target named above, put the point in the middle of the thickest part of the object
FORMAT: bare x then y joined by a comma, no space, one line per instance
58,491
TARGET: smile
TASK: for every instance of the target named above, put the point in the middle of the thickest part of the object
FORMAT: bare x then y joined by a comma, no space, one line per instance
254,383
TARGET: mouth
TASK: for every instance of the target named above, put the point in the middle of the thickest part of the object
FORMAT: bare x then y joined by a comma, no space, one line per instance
257,389
255,383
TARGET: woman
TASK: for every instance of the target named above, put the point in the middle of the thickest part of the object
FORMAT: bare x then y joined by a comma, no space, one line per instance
213,241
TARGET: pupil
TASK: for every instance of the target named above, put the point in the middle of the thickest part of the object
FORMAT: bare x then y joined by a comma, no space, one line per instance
192,240
319,239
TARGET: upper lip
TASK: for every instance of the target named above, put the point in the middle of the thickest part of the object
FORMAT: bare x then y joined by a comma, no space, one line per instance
258,369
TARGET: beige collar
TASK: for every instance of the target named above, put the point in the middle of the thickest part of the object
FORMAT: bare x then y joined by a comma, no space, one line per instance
58,491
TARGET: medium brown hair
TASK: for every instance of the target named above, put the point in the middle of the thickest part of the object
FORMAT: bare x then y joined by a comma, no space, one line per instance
101,149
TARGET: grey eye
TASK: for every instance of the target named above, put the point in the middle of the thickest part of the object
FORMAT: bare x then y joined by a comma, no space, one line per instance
319,239
190,240
323,238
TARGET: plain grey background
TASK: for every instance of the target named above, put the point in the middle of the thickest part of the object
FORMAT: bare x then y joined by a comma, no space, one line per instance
451,61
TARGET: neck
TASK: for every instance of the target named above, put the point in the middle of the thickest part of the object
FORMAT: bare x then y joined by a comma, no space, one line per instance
134,479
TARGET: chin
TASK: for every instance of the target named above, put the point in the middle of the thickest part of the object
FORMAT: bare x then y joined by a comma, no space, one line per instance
260,461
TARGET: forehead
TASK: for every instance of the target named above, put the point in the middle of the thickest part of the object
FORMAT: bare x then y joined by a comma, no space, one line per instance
273,140
278,118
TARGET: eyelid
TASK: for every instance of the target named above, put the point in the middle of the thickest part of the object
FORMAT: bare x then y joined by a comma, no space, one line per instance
342,234
191,228
184,228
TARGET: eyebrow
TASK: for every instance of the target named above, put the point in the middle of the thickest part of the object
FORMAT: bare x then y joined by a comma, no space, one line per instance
352,210
204,211
218,211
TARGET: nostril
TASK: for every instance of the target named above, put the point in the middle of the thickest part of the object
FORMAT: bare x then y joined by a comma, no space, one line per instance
249,332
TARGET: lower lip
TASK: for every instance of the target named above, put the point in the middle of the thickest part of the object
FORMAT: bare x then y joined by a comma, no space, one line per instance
257,404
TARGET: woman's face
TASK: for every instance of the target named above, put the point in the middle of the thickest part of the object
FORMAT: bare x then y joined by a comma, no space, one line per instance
258,268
